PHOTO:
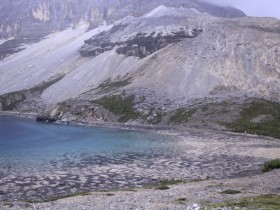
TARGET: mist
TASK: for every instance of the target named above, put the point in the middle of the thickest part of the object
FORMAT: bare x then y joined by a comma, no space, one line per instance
259,8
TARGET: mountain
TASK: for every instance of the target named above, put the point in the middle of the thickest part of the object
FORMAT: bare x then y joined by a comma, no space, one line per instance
23,17
169,65
28,21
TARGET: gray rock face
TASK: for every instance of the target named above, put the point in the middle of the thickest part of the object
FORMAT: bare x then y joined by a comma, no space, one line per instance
143,44
33,18
10,47
139,45
30,20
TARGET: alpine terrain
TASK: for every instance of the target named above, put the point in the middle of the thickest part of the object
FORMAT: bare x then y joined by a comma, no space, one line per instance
159,62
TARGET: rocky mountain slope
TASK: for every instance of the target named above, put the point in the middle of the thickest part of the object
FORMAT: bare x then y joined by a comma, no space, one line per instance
27,21
23,17
168,66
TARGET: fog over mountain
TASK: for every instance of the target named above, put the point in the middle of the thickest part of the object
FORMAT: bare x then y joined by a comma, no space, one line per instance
260,8
36,18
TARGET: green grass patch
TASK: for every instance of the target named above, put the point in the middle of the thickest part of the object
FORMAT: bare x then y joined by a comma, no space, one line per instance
170,182
44,85
181,200
271,165
267,202
58,197
182,115
109,85
156,119
253,110
164,184
230,192
120,105
197,180
8,204
219,108
163,187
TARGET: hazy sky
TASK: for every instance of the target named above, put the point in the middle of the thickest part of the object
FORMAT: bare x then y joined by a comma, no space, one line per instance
266,8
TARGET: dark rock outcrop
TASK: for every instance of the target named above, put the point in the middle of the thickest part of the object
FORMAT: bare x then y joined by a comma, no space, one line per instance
45,119
14,45
12,101
140,45
8,102
143,45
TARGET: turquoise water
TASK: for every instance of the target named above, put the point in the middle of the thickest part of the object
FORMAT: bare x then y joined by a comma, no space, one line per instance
40,160
28,146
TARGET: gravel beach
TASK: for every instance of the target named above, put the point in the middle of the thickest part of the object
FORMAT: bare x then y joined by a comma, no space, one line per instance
183,196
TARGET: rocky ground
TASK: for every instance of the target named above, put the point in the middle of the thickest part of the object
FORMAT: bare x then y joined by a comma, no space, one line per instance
204,164
191,195
225,70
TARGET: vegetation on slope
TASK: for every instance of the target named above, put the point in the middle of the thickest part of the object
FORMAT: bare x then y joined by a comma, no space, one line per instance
269,202
109,85
182,115
271,165
259,117
122,106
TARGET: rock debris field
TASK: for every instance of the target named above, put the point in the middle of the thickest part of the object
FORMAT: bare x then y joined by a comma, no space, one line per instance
201,156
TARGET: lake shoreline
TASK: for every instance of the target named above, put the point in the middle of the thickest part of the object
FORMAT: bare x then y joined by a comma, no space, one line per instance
125,126
205,156
173,130
215,194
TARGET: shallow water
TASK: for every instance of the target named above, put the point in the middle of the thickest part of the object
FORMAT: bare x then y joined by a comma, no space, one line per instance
40,160
28,146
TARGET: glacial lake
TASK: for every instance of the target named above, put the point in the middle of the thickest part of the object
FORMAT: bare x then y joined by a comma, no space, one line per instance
29,146
39,160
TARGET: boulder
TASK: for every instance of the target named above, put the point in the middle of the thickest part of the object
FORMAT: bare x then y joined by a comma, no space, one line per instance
45,119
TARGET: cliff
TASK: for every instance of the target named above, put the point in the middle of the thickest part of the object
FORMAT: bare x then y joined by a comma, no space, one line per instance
28,21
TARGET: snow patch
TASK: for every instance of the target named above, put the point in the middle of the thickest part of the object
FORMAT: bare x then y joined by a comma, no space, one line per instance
2,41
162,10
125,19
